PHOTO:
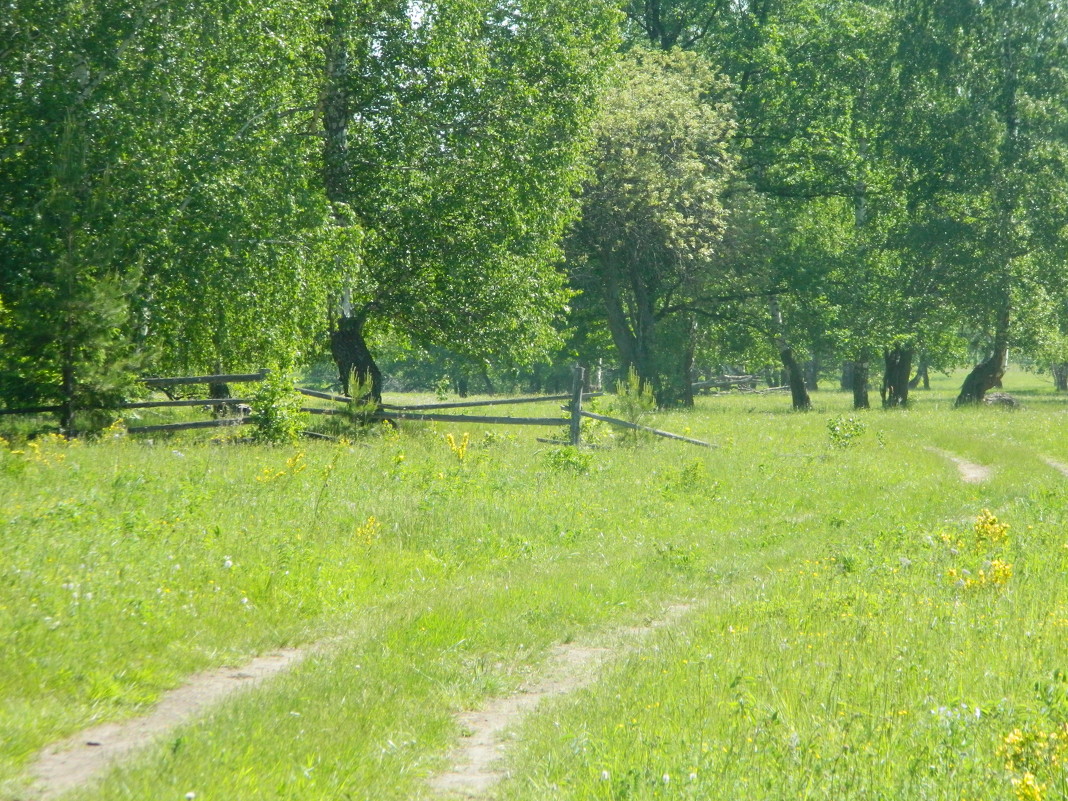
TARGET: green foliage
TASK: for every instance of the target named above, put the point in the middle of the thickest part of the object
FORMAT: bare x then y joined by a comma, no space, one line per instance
569,459
844,429
276,415
442,388
463,172
68,328
633,401
652,208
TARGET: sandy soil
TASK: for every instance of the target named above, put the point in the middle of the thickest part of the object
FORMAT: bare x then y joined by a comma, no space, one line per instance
1060,467
86,756
476,761
78,760
970,472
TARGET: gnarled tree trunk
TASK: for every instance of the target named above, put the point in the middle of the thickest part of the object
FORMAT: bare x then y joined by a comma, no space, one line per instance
846,383
898,361
353,358
922,375
988,374
795,375
812,375
798,391
1060,376
859,379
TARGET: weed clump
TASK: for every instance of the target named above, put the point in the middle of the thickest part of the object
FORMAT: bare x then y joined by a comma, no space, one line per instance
276,415
569,459
844,429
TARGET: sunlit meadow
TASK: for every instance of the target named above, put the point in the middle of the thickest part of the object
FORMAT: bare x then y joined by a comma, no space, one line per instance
863,624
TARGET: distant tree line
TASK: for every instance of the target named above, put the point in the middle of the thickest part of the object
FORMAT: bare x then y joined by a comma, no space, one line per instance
508,188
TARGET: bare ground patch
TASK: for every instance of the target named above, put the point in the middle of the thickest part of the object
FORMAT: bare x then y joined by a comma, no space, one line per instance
1060,467
970,472
85,756
475,760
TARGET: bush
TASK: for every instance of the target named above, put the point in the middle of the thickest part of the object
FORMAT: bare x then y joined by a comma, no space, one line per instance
276,414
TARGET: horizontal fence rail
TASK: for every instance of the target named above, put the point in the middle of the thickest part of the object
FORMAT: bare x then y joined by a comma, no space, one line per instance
424,412
448,418
193,402
239,378
634,426
32,410
222,423
494,402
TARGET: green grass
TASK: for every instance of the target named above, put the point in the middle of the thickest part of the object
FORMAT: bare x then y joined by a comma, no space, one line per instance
830,652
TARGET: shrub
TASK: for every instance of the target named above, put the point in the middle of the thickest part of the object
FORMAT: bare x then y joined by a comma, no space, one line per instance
276,413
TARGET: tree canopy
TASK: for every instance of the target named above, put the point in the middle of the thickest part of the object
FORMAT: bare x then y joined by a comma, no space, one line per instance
194,186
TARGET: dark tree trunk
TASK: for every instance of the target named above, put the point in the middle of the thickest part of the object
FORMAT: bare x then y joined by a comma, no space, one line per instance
1060,376
860,384
353,358
796,377
219,391
347,343
895,391
490,389
983,378
922,375
988,374
812,375
66,415
848,368
686,378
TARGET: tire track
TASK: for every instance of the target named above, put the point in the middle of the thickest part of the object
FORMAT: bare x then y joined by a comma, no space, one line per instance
476,759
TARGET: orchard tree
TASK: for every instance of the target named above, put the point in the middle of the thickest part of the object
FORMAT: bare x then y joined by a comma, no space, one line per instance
989,157
452,138
653,212
147,180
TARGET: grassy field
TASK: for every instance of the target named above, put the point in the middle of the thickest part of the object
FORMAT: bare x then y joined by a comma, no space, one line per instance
860,627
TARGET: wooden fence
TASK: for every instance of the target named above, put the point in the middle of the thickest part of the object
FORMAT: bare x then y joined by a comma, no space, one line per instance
428,412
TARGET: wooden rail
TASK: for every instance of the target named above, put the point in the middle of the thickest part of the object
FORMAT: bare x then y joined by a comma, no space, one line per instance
666,434
193,402
419,412
450,418
231,421
495,402
238,378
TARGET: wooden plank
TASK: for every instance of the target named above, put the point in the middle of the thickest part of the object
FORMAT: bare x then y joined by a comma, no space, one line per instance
451,418
314,393
205,379
726,382
201,402
496,402
317,435
32,410
636,427
458,418
234,421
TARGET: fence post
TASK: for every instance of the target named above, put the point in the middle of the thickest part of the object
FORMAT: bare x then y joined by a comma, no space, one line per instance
576,404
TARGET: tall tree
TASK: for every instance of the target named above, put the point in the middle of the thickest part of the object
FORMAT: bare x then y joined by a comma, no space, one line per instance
452,138
185,118
989,156
653,212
